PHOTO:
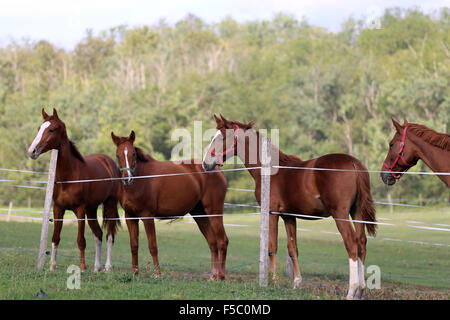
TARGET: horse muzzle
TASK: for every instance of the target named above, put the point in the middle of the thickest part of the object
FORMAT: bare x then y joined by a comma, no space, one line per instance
34,154
128,181
388,179
208,166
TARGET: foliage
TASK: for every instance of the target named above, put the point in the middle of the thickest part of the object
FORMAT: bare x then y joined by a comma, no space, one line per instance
326,92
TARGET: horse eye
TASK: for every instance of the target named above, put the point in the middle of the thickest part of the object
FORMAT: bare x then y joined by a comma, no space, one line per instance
51,130
391,145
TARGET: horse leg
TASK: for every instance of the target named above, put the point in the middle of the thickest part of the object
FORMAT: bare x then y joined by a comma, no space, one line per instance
221,239
291,232
58,213
133,230
80,214
204,225
350,241
98,236
110,208
149,225
361,242
273,243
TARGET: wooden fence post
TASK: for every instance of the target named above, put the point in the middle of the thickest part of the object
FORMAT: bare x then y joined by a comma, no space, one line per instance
47,208
9,210
265,207
389,199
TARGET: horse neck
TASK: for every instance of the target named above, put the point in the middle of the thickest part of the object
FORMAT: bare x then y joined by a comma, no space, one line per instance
67,165
435,158
250,163
141,166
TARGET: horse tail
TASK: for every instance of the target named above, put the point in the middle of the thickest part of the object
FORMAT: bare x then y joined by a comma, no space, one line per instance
111,220
365,202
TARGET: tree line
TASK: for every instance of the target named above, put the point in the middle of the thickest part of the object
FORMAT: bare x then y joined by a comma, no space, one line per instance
326,91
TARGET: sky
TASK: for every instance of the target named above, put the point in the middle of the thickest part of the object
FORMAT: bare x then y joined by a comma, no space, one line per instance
64,23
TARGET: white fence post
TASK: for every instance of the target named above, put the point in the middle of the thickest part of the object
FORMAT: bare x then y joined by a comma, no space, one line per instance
47,208
265,207
9,211
389,200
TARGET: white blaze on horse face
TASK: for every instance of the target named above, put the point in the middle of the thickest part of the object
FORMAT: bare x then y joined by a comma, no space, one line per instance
127,164
218,133
38,138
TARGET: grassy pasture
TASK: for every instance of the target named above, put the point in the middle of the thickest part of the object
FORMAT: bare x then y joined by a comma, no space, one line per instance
414,263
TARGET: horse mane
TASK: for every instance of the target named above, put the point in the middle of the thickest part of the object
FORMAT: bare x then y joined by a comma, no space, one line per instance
142,156
288,159
244,126
77,154
439,140
283,158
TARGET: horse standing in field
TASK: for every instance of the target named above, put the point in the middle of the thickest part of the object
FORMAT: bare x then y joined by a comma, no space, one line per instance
414,142
305,192
170,197
82,198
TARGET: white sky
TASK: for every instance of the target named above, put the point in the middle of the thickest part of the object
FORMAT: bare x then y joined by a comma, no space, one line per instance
64,22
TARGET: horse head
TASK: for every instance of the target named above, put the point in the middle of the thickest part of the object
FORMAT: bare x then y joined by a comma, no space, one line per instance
401,155
49,136
127,156
225,142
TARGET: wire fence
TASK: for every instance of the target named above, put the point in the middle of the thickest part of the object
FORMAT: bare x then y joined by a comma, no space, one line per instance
409,224
298,215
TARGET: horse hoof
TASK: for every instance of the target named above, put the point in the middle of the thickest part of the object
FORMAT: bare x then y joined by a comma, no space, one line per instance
353,296
214,277
359,294
108,268
97,269
53,267
297,282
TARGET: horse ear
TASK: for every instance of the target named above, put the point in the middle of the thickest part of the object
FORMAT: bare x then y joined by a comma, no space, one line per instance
115,138
223,118
219,121
405,122
397,125
55,114
132,136
45,115
227,124
251,124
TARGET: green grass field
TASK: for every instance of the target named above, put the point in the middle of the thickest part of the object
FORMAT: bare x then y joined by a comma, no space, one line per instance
414,263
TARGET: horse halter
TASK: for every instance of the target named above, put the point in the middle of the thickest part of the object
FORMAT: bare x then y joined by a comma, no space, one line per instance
398,175
232,149
132,170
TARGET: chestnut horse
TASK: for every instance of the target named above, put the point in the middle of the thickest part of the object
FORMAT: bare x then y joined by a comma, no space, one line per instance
173,196
305,192
82,198
414,142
